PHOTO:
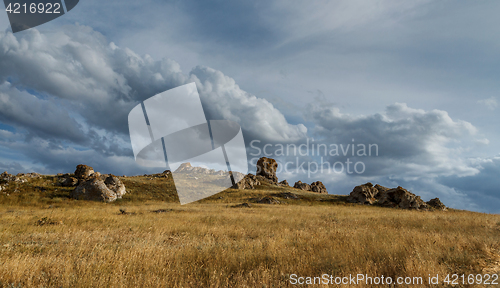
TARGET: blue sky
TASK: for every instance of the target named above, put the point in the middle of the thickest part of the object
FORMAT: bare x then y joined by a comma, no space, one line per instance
419,79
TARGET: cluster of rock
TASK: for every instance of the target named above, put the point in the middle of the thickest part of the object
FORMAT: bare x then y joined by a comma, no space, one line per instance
91,185
19,178
6,178
248,182
391,197
266,173
317,187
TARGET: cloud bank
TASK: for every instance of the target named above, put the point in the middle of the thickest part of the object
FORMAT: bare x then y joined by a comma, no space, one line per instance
65,97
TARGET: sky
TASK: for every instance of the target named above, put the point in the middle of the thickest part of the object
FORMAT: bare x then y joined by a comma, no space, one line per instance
417,79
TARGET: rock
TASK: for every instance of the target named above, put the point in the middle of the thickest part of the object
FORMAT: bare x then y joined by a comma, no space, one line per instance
83,172
267,167
95,189
381,188
114,184
167,172
267,200
284,183
402,198
302,186
29,175
318,187
6,177
68,182
248,182
364,194
436,204
395,197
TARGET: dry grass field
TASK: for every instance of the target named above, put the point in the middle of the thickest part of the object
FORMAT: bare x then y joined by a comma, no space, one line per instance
49,240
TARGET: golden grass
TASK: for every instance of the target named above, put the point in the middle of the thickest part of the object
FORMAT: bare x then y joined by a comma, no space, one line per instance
211,245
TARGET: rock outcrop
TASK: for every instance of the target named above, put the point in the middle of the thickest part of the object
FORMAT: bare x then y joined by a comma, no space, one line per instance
402,198
115,185
284,183
318,187
436,204
391,197
266,167
364,194
94,186
83,172
29,175
94,189
248,182
68,181
6,178
302,186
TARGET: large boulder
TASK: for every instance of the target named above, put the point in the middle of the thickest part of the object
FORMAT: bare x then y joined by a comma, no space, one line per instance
395,197
266,167
318,187
302,186
364,194
436,204
115,184
248,182
93,185
93,189
402,198
83,172
284,183
68,181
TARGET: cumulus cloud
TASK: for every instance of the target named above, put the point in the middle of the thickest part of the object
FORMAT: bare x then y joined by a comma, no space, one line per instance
70,92
490,103
412,143
259,118
66,95
38,116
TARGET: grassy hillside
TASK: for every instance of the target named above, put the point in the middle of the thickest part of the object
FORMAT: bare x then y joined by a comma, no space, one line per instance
49,240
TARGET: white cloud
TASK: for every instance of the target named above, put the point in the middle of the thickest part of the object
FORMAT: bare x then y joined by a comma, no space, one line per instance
490,103
69,93
259,118
413,143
